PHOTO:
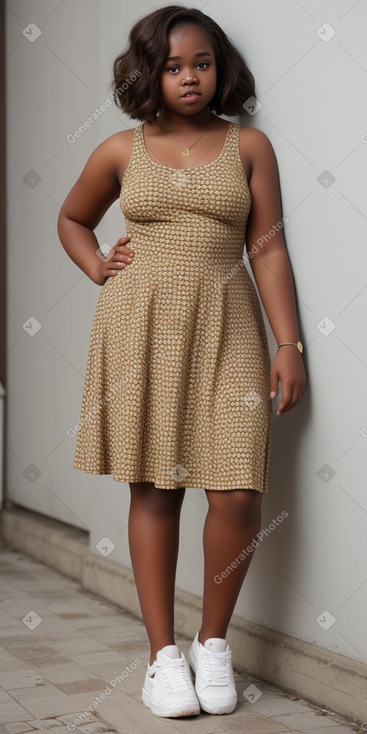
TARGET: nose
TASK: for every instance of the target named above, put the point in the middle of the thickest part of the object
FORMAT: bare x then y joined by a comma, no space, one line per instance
190,79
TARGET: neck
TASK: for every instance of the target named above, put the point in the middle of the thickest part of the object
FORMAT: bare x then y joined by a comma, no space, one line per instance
172,121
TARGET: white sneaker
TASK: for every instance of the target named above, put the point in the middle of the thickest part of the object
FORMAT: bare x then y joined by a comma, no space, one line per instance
168,688
214,682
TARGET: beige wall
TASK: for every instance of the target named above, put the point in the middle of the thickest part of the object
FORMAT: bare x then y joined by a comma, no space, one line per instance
3,195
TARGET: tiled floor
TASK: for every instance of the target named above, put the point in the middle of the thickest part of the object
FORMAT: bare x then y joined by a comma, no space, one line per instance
71,660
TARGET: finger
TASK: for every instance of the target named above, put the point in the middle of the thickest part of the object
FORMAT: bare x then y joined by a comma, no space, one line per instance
120,260
285,403
123,242
274,384
125,251
124,254
291,402
115,265
297,394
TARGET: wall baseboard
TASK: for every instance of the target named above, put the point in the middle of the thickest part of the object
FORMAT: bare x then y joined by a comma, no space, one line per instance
319,676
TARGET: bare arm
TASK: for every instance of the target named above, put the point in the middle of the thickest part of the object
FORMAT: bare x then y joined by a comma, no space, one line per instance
272,271
93,193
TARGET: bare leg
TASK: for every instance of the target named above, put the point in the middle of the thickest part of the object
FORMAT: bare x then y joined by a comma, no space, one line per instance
154,523
232,522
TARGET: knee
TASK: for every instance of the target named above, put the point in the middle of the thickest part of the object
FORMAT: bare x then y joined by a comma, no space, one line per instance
240,506
146,496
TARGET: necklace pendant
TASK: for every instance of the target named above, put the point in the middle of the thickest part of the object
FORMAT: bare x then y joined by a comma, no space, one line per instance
186,152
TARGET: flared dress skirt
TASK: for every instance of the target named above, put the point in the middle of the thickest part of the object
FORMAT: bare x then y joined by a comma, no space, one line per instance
177,380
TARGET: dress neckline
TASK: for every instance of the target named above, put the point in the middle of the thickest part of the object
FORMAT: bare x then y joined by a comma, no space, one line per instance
190,168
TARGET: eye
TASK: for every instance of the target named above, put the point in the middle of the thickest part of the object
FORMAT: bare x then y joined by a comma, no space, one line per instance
201,64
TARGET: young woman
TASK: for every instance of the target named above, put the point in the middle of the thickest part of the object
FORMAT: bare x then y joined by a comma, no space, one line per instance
179,381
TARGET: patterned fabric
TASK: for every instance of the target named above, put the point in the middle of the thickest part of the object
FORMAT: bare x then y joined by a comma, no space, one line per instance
177,380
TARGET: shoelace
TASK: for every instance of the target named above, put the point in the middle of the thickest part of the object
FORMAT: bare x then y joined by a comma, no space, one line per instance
217,668
174,675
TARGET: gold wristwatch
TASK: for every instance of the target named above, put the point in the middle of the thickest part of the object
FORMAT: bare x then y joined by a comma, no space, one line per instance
299,345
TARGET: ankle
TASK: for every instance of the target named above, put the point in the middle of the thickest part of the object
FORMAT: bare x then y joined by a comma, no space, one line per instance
203,636
155,649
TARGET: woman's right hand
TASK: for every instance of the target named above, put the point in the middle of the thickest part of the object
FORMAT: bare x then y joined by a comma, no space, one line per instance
118,257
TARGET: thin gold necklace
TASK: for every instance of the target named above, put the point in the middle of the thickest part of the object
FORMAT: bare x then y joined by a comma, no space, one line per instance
186,151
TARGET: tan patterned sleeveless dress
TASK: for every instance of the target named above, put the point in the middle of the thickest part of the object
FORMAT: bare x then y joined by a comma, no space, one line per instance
177,379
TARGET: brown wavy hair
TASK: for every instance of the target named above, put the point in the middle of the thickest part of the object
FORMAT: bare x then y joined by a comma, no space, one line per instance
137,71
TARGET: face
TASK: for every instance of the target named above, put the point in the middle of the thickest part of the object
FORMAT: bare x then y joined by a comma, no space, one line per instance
189,76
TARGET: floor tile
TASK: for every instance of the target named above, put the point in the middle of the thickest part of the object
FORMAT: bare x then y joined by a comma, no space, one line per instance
76,666
11,712
17,728
306,721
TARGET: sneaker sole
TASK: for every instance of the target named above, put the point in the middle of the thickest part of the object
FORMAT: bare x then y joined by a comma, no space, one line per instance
159,710
224,709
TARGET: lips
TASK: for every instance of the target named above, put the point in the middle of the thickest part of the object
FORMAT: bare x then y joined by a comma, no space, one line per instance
190,94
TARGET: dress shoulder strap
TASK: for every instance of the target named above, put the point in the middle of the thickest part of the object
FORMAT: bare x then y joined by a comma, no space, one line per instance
233,142
137,155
